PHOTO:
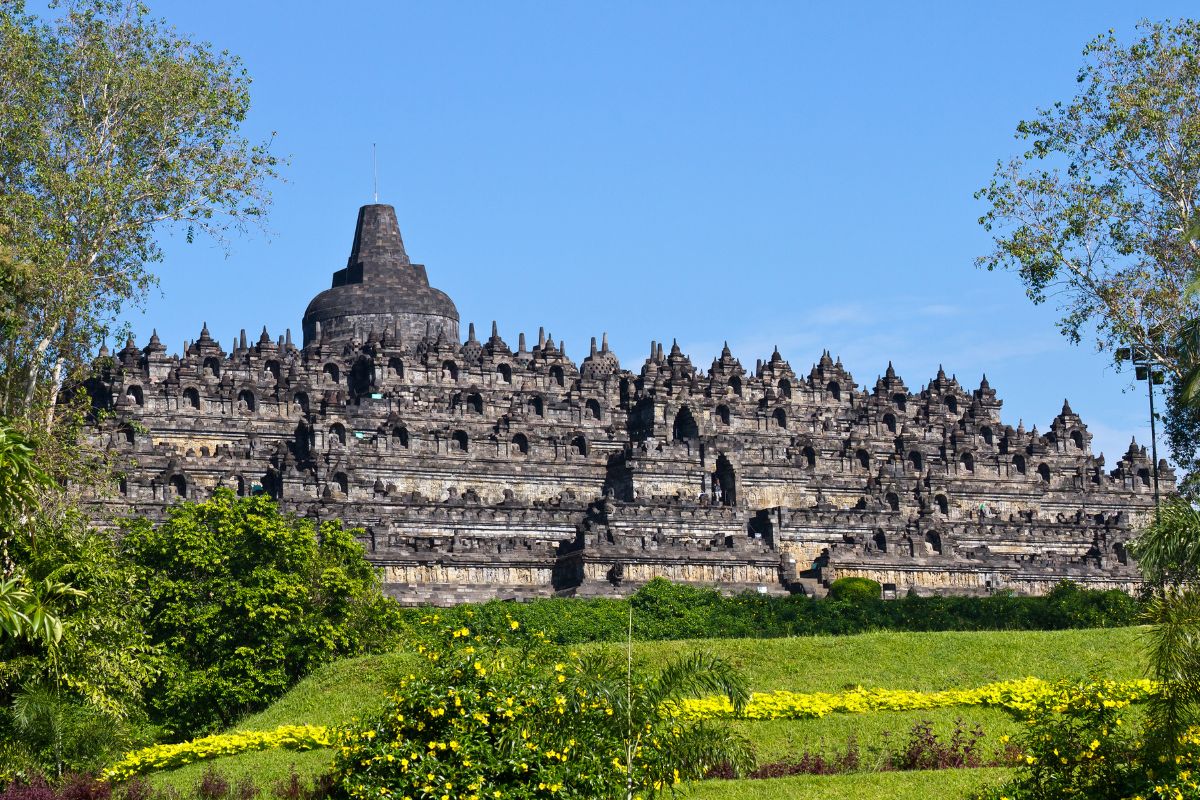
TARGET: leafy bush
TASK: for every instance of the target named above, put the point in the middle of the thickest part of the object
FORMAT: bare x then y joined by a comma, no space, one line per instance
245,601
515,717
855,589
33,789
212,785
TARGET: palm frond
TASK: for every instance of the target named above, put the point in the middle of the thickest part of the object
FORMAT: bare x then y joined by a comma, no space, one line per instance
1174,648
1187,348
697,675
703,746
1168,551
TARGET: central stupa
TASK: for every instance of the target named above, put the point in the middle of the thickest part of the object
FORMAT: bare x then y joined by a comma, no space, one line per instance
379,289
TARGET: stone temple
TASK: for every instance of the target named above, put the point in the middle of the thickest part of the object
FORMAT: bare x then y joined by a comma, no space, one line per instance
478,470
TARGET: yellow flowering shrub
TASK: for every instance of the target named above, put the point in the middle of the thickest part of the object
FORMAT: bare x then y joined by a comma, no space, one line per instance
517,719
167,756
1078,742
1179,780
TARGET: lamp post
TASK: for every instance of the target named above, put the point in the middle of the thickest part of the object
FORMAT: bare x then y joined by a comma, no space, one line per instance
1147,370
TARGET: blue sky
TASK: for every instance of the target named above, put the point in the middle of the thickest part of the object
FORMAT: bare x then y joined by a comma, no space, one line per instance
762,173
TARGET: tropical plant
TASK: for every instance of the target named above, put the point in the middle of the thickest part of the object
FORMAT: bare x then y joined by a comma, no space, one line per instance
1174,654
25,610
658,746
22,481
1081,744
58,732
1168,550
74,702
15,598
1078,742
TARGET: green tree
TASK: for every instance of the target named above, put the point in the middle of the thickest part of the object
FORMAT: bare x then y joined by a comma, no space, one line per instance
246,600
1100,211
112,126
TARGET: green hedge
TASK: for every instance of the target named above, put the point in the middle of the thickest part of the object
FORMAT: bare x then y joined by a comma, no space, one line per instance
662,610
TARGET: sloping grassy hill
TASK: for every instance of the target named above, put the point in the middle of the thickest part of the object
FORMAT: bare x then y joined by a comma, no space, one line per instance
919,661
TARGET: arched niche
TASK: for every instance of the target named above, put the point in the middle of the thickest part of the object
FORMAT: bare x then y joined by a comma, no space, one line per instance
684,428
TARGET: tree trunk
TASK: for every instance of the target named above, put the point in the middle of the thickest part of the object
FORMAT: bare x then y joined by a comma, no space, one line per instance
55,386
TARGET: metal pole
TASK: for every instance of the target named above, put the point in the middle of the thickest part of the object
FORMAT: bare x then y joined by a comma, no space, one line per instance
1153,437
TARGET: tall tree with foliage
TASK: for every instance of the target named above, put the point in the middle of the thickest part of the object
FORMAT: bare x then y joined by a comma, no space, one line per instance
245,601
113,128
1100,210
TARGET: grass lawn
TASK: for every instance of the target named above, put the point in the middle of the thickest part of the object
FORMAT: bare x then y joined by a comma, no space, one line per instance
920,661
947,783
923,661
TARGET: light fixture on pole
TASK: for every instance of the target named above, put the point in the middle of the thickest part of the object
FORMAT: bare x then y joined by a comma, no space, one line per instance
1146,369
